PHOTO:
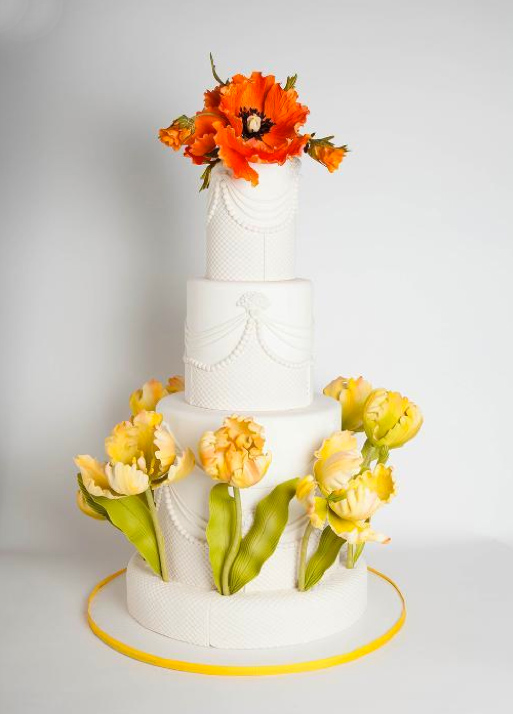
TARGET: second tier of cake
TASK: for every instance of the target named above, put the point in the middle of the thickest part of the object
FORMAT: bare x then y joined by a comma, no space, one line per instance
248,345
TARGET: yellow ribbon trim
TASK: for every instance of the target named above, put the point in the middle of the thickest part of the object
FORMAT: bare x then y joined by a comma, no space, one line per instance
235,670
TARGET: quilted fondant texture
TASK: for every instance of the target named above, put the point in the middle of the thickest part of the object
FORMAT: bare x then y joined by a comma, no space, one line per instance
250,381
251,230
246,620
234,253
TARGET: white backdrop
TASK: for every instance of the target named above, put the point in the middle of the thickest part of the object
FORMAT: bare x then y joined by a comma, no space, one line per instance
409,245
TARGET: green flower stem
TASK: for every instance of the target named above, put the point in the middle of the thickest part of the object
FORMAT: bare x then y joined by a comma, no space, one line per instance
161,546
302,557
235,544
350,556
384,453
358,552
369,454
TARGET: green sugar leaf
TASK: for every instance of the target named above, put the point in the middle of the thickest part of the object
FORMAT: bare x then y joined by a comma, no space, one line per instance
220,528
325,555
257,546
132,516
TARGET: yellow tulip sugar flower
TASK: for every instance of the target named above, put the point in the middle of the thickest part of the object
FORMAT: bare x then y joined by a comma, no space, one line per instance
347,510
352,395
143,456
147,442
152,392
350,510
234,453
337,461
389,419
364,494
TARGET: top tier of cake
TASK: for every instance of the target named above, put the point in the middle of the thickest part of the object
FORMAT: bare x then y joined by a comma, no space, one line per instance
251,230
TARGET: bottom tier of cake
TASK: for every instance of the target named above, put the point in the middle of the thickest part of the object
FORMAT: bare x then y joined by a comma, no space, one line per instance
246,620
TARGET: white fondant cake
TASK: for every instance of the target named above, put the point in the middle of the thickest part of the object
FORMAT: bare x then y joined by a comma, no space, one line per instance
249,345
248,350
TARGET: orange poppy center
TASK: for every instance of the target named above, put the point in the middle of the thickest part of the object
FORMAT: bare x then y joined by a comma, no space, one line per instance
254,123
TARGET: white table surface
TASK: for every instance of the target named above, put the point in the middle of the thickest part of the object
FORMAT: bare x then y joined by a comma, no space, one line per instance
454,654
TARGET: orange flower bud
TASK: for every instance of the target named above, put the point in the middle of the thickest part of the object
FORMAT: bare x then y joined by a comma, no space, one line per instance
325,153
178,133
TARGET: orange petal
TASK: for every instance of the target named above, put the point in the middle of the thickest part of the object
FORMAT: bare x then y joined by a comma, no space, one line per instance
245,92
198,160
285,112
235,155
203,145
212,98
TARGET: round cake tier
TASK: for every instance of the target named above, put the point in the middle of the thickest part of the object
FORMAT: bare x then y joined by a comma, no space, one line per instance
247,620
248,346
291,437
251,229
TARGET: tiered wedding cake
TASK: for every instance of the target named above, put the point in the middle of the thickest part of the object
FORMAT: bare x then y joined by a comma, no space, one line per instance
248,349
247,497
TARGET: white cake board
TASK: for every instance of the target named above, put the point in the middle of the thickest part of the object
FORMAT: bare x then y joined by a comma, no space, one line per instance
110,614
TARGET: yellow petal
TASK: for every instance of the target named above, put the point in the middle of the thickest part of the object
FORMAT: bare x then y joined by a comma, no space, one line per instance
182,467
211,459
334,473
338,460
86,508
145,424
175,384
126,480
253,470
359,504
368,534
352,395
305,490
339,441
147,397
340,526
94,477
243,432
122,444
354,532
319,512
334,388
381,481
165,443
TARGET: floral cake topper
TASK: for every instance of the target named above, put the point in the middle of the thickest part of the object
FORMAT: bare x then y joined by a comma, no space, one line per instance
246,121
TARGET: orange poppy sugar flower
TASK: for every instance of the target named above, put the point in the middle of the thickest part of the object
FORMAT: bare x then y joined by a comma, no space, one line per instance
246,121
263,124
